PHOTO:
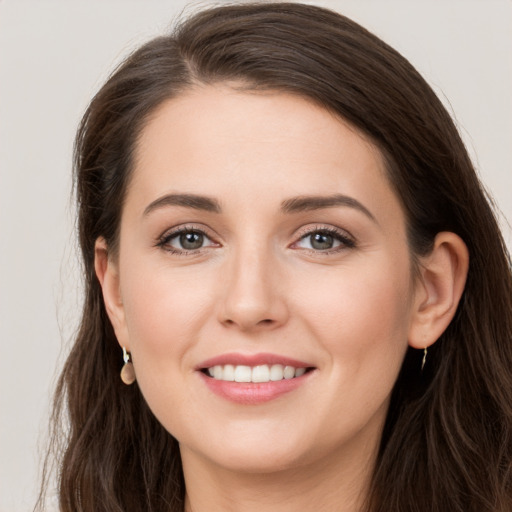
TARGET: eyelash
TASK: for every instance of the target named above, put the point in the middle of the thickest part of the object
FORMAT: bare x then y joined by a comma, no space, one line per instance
164,241
346,241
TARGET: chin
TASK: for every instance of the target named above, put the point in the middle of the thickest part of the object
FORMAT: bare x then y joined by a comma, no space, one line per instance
251,453
257,461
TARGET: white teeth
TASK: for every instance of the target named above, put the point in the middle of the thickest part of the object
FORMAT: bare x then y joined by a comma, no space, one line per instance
276,372
243,374
289,372
260,373
300,371
217,372
229,373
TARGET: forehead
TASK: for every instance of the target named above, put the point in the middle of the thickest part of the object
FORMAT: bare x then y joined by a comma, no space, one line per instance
214,139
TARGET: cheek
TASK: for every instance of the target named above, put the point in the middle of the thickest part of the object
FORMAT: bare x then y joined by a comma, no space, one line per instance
363,318
362,325
164,311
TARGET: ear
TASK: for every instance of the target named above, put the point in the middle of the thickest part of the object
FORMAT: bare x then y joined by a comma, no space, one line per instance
107,272
438,289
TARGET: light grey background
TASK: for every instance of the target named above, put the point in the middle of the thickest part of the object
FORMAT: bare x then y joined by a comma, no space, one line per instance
53,57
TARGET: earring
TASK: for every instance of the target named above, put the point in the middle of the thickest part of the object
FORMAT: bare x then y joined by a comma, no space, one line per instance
424,358
127,371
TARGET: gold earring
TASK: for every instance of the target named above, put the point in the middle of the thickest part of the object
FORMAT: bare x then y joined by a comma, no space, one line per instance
424,358
127,371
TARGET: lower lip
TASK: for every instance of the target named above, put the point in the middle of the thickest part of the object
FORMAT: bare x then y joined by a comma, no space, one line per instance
252,393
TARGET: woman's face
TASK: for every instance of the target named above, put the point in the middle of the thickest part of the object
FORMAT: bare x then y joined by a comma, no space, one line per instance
261,241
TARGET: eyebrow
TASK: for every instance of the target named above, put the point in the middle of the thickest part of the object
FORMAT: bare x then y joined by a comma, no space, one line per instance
292,205
308,203
187,200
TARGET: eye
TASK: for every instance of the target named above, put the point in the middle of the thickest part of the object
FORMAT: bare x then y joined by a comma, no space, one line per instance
185,240
324,240
189,241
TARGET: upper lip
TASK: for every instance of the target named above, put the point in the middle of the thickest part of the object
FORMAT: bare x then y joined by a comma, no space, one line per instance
252,360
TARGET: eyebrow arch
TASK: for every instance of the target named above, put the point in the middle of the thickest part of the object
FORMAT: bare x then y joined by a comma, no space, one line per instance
187,200
308,203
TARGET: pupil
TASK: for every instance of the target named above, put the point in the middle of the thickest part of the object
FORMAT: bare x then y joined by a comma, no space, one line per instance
321,241
191,240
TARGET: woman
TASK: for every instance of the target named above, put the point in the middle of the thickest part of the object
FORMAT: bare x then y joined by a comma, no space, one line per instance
289,258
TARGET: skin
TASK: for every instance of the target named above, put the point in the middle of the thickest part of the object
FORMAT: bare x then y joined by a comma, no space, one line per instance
259,284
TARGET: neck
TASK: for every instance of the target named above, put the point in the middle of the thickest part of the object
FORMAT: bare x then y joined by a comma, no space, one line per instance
337,482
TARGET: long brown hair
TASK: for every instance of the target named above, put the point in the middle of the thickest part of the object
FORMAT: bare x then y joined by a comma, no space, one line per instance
447,442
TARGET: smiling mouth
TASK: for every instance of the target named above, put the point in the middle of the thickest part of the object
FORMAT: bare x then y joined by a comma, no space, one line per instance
255,374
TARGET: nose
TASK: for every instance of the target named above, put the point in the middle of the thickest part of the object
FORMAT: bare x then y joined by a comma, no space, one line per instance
253,293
